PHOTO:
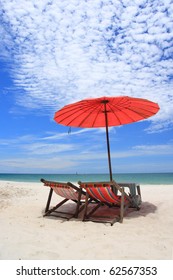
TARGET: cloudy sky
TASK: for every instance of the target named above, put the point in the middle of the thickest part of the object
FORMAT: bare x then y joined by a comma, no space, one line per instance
57,52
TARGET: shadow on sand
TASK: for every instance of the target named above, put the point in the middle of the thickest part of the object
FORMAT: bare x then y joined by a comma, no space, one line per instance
146,209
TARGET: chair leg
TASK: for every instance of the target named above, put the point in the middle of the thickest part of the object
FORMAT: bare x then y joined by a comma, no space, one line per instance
94,209
54,208
86,205
137,199
122,206
49,200
139,191
78,204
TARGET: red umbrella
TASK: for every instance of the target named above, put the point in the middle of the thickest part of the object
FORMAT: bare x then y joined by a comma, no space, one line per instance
105,112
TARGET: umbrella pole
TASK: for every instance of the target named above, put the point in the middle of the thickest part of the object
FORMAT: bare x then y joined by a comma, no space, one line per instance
108,145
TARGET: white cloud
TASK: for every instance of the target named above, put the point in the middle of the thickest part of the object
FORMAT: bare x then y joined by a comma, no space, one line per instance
164,149
47,149
64,51
55,153
49,164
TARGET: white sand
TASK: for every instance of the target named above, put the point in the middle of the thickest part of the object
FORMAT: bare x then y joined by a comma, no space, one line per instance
25,234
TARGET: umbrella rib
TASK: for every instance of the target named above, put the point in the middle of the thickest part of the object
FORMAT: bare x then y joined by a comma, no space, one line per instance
83,111
111,106
142,115
114,112
76,118
125,114
69,111
146,110
90,114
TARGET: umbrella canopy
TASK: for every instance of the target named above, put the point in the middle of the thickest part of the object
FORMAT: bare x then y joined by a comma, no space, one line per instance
106,112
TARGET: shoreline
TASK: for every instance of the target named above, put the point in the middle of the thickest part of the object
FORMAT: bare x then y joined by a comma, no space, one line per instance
25,234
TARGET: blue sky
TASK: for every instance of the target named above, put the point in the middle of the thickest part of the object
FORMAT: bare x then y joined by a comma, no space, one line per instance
58,52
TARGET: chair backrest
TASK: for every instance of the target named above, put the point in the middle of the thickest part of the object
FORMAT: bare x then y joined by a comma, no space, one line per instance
63,189
101,191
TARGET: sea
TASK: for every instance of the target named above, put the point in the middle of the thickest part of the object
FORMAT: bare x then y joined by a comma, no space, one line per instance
140,178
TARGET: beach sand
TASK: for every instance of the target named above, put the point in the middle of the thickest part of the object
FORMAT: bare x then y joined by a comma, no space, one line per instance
25,234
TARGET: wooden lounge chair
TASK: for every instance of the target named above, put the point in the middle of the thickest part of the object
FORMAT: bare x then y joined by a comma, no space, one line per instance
106,194
69,192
